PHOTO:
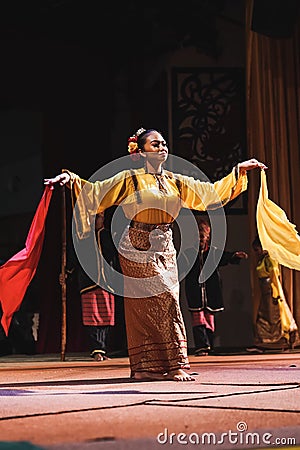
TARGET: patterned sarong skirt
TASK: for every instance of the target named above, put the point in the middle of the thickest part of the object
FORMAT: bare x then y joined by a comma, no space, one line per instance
98,307
156,335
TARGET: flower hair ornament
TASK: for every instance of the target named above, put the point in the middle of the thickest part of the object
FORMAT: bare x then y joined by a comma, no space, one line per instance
133,147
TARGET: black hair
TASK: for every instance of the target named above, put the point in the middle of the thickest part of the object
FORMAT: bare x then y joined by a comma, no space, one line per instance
141,140
256,243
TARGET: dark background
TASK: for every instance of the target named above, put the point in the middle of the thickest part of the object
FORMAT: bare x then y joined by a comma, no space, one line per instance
64,59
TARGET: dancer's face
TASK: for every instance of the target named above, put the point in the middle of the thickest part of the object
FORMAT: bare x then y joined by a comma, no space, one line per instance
155,148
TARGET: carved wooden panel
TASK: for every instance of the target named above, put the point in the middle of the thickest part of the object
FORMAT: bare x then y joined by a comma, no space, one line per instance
208,120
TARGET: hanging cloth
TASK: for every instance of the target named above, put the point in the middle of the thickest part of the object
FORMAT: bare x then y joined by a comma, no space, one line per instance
276,233
18,271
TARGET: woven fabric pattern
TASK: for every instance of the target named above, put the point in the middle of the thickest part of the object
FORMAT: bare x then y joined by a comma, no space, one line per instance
157,344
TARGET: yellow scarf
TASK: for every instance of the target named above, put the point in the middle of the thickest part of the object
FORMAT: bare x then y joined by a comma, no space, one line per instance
277,235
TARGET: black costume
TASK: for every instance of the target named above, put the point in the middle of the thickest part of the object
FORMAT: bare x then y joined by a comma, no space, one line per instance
206,296
97,334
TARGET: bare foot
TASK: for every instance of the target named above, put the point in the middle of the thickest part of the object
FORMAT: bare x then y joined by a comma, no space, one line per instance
148,376
100,357
201,353
104,358
179,375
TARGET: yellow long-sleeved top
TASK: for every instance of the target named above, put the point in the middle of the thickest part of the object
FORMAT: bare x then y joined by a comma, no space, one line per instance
150,198
268,268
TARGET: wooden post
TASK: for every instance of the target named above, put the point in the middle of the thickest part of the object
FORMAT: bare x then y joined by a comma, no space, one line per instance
63,275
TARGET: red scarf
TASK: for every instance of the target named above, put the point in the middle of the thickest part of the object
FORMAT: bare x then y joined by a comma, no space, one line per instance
17,273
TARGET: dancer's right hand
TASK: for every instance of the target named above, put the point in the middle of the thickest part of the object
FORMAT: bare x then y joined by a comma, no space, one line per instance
62,179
